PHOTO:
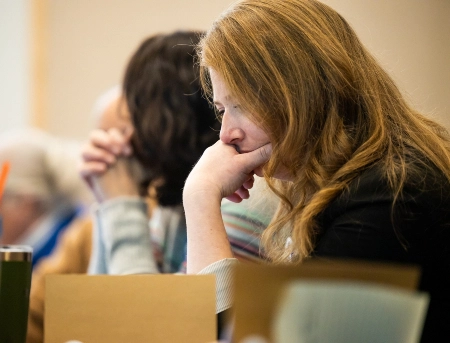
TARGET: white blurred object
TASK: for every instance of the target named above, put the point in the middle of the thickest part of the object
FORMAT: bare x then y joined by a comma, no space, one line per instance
341,312
44,166
43,192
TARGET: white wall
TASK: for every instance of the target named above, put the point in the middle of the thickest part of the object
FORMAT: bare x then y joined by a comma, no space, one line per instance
411,39
90,41
15,84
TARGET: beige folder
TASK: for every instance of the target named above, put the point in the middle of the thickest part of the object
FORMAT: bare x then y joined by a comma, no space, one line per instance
130,308
258,288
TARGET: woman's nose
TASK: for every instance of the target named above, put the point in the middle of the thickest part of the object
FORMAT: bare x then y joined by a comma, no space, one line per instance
230,132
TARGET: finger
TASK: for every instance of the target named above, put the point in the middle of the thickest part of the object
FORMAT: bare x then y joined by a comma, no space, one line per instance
257,158
128,133
110,140
127,150
265,151
249,183
234,198
100,139
89,169
243,192
120,142
93,153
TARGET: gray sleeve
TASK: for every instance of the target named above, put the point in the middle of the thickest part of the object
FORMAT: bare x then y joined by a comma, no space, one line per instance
97,262
124,231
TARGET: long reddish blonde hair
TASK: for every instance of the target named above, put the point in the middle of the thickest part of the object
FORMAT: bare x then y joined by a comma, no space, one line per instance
329,108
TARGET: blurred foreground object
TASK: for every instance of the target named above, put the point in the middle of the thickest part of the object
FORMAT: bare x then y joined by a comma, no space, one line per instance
260,288
344,312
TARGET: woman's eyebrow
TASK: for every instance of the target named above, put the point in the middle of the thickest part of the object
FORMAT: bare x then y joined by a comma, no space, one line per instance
228,98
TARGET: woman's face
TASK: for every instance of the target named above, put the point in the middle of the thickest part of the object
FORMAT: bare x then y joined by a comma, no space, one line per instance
237,127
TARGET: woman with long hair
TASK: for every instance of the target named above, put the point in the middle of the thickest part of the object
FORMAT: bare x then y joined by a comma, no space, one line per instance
360,173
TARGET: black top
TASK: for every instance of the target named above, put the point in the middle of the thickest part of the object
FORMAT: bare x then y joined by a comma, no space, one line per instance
360,224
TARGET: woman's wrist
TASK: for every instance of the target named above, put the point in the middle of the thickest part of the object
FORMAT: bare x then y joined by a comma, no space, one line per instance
198,195
207,238
200,202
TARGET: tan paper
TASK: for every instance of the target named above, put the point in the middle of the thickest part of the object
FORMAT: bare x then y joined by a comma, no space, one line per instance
258,288
130,308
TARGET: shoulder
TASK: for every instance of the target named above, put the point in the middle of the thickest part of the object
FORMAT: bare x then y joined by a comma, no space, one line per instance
368,220
370,187
422,204
424,184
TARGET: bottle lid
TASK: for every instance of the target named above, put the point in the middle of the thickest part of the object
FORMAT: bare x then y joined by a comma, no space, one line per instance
16,253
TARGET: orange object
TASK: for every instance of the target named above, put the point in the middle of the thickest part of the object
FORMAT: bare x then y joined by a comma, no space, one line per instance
3,177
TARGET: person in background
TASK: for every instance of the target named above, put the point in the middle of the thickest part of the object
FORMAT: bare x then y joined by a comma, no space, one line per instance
360,174
71,254
172,125
43,193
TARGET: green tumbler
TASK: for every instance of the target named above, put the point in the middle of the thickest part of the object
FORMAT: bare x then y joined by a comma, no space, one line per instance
15,282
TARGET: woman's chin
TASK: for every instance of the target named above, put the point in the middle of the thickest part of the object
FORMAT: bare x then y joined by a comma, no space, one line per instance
259,172
281,174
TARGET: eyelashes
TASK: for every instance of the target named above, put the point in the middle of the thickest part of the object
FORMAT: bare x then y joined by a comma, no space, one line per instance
219,114
222,111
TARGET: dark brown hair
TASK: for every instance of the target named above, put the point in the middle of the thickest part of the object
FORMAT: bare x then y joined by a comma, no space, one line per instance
173,122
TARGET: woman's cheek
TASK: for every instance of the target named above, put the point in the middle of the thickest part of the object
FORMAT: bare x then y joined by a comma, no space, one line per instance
283,174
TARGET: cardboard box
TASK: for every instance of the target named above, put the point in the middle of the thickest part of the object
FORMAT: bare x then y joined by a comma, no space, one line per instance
130,308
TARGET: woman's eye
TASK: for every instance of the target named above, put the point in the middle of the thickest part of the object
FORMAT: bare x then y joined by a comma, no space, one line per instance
220,114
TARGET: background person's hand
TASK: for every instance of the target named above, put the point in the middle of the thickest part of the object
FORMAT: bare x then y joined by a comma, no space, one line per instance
101,150
121,179
107,167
